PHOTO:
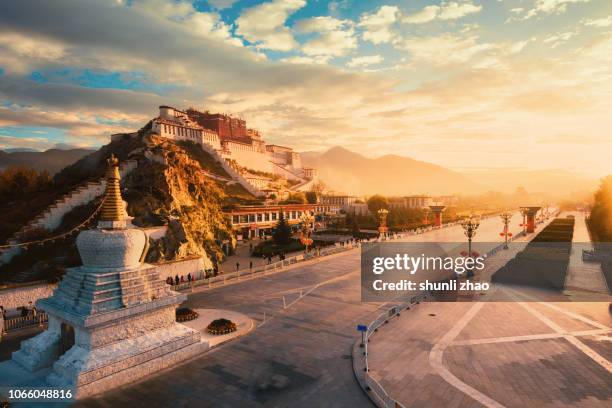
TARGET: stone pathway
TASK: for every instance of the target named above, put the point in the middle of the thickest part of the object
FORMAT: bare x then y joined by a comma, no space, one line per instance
583,275
496,354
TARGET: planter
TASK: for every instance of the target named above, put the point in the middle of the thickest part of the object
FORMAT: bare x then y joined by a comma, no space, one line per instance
185,314
221,326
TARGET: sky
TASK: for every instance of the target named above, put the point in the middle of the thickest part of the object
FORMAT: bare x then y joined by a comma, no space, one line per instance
467,84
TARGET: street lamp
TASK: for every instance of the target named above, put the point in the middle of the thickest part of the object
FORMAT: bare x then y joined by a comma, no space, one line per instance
382,218
306,220
505,216
524,212
470,225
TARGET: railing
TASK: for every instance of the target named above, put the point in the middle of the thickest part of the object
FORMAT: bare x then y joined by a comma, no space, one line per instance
264,270
16,323
377,392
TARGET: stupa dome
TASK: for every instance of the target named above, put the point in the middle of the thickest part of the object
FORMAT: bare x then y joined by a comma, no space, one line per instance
111,249
114,245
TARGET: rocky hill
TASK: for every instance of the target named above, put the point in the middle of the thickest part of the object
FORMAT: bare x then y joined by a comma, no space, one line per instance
175,184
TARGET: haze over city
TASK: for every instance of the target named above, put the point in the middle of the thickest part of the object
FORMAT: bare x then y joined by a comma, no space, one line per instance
469,85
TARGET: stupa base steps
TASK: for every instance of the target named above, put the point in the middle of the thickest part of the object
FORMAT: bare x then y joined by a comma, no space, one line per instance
89,372
94,371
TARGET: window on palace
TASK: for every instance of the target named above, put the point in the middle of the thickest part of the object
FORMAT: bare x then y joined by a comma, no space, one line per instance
259,217
235,219
243,219
251,217
274,216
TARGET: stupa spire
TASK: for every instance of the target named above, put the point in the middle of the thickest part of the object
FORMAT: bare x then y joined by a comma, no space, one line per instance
113,208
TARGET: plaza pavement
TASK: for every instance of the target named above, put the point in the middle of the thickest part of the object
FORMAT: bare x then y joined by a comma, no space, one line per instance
522,354
300,356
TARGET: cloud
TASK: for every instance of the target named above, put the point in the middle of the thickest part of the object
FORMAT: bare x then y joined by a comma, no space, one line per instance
17,49
300,59
334,37
545,7
221,4
459,83
600,22
378,27
558,39
445,11
444,49
264,24
364,61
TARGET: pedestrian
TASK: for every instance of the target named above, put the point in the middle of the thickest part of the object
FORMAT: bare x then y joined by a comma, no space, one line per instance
2,314
237,266
182,279
176,279
189,277
251,266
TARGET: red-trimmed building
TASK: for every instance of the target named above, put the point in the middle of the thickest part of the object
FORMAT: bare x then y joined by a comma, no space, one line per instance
255,221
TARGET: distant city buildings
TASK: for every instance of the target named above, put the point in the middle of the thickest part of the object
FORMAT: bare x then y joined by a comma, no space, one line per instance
343,201
422,201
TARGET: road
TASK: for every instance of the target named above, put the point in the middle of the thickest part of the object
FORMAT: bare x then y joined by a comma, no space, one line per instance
299,357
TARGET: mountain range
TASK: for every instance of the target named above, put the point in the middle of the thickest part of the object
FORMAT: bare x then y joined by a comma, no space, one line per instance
52,160
346,171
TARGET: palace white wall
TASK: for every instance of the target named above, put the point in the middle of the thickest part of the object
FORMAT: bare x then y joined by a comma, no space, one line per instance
247,157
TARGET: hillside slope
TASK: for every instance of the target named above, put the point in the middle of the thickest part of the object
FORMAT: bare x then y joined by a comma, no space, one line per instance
170,186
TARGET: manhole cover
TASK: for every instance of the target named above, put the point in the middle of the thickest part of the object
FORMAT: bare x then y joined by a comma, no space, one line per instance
432,314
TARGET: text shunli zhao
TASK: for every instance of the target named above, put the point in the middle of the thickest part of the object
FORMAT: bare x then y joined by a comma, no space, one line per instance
422,265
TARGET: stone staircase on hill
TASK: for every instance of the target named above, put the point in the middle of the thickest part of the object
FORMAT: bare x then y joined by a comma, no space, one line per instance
51,218
304,185
233,173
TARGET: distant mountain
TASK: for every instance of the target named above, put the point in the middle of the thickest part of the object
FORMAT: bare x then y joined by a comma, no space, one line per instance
20,149
52,160
350,172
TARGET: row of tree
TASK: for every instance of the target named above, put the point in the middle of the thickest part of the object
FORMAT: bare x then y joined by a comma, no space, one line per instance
18,182
600,220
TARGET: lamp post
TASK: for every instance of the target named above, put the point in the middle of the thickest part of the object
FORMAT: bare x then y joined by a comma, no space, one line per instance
306,220
382,219
470,225
524,214
505,216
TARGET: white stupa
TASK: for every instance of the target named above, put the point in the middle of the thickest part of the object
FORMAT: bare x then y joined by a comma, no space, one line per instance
112,320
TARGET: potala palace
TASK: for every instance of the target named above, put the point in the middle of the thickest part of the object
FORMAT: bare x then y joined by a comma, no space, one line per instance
241,147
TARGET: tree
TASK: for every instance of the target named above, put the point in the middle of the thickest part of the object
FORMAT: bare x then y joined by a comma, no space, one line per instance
318,187
295,198
377,202
311,197
600,220
282,233
355,231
